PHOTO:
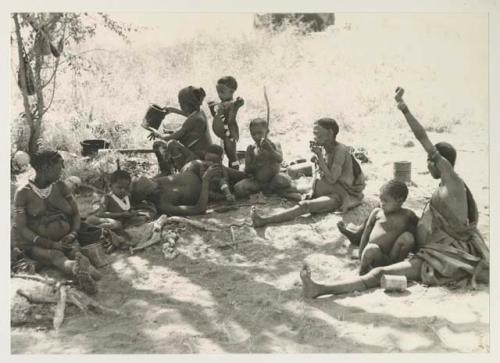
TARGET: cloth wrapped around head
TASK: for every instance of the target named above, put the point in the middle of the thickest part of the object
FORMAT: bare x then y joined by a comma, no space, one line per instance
191,98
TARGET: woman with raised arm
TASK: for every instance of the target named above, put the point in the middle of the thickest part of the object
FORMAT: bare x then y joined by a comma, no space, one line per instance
450,247
190,141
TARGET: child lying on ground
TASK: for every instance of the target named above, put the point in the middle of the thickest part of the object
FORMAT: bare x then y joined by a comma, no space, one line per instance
387,236
263,164
115,211
224,114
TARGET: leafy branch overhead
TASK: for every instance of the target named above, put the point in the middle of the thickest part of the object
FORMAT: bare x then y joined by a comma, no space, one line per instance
45,45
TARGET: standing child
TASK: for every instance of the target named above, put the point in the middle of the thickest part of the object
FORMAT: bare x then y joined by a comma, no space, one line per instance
115,211
224,114
263,164
388,234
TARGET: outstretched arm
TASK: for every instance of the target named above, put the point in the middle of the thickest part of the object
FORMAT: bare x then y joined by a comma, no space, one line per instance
441,163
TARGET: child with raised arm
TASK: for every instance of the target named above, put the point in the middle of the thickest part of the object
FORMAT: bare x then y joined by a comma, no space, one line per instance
262,165
388,235
224,114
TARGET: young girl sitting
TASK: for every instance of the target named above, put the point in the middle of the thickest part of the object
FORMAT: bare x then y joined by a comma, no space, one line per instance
114,210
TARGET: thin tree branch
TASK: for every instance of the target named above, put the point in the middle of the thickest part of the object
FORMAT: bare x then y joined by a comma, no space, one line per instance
52,96
22,71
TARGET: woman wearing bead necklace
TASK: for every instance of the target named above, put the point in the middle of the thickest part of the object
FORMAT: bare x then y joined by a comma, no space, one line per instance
47,221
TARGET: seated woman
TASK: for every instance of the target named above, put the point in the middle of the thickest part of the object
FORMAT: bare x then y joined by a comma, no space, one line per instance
338,182
190,142
187,192
450,247
47,221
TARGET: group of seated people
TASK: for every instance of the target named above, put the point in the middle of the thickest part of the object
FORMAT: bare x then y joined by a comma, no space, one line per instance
441,247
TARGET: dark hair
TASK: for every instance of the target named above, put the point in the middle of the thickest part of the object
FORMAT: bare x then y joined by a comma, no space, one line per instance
329,124
118,175
396,189
228,81
44,159
447,151
259,121
215,149
192,98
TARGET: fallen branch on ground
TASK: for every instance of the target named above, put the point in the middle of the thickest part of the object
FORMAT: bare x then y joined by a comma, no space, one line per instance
200,225
60,307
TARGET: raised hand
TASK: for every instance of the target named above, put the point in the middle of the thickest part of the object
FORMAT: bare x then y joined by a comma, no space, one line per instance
399,94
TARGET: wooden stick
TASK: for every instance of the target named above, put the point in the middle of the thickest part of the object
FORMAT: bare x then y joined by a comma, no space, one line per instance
35,299
154,239
48,281
87,301
60,307
267,106
190,222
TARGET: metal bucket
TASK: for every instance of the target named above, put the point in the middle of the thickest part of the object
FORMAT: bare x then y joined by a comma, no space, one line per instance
91,147
402,171
154,116
95,253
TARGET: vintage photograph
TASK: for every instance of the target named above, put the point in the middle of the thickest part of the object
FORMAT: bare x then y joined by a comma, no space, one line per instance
253,182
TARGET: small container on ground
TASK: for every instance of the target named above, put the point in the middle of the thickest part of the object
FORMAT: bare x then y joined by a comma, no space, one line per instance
393,283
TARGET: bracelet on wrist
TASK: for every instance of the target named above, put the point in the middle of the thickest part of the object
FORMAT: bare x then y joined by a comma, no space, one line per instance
35,239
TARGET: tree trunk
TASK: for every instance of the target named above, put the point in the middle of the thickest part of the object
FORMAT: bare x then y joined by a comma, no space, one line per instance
34,135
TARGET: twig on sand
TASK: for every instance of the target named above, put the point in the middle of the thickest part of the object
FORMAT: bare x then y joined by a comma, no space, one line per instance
86,301
60,307
77,298
46,280
36,299
200,225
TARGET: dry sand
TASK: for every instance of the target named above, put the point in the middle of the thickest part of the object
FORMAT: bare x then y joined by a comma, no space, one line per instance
245,296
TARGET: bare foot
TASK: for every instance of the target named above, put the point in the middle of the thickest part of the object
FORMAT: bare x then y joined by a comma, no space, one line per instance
85,281
309,288
94,273
353,237
257,220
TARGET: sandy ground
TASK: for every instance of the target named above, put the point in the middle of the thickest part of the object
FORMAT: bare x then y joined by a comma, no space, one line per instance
244,296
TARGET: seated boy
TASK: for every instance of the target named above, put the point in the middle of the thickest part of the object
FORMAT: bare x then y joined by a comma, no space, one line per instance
115,211
263,164
388,234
